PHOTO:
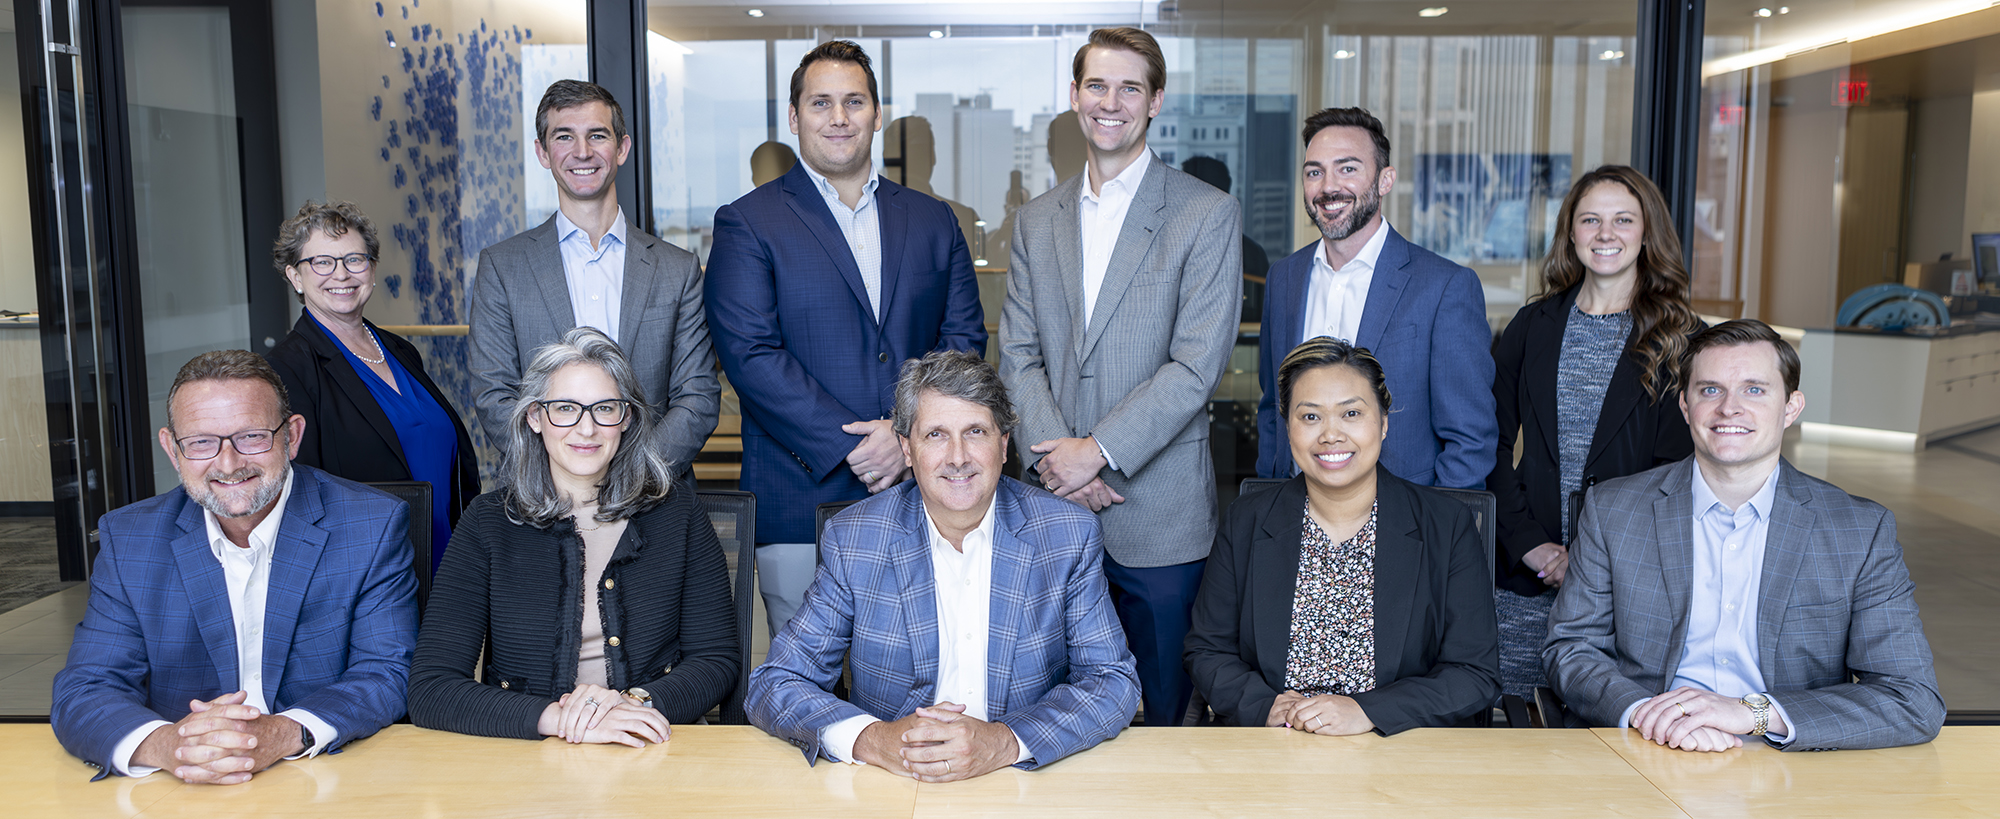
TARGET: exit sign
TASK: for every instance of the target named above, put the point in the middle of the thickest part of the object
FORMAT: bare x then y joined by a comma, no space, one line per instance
1850,92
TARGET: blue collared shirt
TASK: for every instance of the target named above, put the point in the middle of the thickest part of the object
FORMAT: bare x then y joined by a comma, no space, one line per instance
596,275
861,225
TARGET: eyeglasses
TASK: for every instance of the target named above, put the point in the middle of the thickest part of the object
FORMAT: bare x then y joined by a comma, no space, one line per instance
247,442
323,265
607,413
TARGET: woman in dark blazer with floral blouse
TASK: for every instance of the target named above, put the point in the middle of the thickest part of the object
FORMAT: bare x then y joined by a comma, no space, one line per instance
1346,599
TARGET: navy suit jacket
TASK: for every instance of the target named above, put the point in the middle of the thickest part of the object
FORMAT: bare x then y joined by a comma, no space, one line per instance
1426,322
1058,672
792,328
158,631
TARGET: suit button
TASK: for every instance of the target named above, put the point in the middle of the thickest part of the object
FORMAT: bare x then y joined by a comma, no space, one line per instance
882,357
608,582
503,684
613,641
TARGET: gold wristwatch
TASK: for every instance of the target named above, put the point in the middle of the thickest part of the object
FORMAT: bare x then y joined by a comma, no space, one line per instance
640,694
1760,713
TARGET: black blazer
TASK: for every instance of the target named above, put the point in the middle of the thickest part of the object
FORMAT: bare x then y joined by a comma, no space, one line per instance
1437,650
1634,434
518,590
347,433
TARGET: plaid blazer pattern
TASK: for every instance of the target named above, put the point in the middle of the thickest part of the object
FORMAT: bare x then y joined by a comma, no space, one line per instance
1839,641
340,620
1058,672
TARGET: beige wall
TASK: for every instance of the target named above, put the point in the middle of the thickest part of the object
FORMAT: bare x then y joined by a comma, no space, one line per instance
24,432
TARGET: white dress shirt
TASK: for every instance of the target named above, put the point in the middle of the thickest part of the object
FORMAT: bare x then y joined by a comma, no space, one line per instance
1719,653
1335,298
962,582
596,275
246,573
1102,217
861,225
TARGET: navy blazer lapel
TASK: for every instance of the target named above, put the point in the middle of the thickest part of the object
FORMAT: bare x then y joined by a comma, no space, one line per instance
1288,305
1143,221
1399,562
1385,289
1673,545
546,269
641,276
894,219
207,593
335,363
1787,545
1011,558
911,552
1274,572
803,197
1069,256
294,559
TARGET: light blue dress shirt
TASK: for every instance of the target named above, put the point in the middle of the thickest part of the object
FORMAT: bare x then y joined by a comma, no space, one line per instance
861,225
596,275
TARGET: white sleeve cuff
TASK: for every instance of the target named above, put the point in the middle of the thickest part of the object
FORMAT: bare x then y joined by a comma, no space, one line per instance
1625,719
323,734
1106,453
1025,754
1780,740
837,740
121,754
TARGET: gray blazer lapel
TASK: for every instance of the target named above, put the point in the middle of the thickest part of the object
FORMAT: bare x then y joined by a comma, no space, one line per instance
207,595
545,267
641,275
1673,542
1135,238
1786,544
1069,253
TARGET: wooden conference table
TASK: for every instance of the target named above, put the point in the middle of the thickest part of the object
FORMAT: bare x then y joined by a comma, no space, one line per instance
1146,772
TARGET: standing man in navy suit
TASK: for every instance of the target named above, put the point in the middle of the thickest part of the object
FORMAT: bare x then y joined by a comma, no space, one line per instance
1421,315
199,653
821,284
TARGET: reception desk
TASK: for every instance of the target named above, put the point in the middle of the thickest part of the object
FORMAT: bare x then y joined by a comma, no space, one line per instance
1145,772
1899,391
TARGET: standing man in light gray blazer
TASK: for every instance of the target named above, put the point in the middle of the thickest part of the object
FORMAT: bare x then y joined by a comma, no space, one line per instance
1121,311
1730,594
587,266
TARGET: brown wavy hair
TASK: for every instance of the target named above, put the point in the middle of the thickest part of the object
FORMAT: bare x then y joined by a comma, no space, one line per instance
1661,317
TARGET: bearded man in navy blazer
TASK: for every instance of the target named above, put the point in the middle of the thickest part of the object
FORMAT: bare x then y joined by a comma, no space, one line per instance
821,284
1420,314
200,652
971,608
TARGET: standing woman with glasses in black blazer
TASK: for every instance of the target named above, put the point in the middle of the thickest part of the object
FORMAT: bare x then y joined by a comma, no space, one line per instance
1586,374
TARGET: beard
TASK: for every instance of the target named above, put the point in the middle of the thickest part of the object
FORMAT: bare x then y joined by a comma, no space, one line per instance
268,489
1359,213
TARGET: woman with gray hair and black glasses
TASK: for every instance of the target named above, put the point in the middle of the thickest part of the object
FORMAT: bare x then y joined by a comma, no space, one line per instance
591,529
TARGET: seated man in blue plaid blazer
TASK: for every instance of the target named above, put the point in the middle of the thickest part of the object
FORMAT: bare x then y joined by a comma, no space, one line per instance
1730,594
972,609
259,611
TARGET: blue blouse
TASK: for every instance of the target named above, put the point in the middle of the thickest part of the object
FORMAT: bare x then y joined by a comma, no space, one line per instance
425,431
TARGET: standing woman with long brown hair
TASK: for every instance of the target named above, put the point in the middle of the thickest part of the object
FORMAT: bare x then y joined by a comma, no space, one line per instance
1586,374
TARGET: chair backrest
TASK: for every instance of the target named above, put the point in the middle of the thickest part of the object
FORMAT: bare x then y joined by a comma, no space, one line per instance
734,516
1575,512
418,495
824,513
1484,509
1250,484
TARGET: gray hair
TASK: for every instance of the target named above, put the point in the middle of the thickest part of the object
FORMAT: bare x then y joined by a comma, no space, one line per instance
953,374
639,476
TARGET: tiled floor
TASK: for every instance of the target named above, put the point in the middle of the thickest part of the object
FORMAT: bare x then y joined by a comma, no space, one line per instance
1946,499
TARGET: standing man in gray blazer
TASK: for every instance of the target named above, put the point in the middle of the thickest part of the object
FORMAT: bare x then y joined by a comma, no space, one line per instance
1121,310
587,266
1729,594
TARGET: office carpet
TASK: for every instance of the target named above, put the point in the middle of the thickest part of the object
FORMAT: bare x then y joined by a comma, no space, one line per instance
27,561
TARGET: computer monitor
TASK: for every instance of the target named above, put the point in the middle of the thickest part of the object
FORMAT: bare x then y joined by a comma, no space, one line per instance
1986,257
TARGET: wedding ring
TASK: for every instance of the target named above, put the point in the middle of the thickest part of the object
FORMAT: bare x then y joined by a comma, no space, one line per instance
1315,723
871,476
947,766
1684,709
592,702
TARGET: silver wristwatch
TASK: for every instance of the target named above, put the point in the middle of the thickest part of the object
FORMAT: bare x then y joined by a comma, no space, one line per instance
1760,713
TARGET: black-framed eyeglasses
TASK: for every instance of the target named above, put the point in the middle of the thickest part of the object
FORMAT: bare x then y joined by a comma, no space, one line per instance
607,413
323,265
247,442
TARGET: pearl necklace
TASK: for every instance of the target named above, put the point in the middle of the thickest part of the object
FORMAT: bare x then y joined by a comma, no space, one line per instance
381,356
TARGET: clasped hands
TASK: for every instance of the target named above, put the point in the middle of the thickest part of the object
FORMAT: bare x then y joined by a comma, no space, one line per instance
1329,715
1069,468
1691,719
593,714
220,742
938,744
878,459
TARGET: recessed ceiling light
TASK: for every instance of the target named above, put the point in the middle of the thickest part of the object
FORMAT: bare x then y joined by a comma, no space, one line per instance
1762,12
1784,9
1434,11
937,35
755,12
1611,55
1343,54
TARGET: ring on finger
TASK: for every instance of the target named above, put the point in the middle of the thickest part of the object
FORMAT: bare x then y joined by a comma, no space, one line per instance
1684,709
947,766
592,702
871,476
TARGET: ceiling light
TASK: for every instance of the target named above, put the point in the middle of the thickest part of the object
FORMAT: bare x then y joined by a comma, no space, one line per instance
1434,11
1611,55
1761,13
755,12
1343,54
1784,9
1861,30
937,35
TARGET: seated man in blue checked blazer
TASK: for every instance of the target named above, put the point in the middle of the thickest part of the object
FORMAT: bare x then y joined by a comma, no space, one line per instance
972,608
259,611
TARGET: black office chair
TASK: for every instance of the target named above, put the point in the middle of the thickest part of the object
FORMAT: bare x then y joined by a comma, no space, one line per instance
824,513
734,516
418,495
1251,484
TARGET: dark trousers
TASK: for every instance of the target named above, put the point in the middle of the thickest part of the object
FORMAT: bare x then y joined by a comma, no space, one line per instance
1156,606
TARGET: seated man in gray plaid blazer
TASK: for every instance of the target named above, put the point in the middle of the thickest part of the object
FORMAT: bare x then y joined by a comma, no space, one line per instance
1730,594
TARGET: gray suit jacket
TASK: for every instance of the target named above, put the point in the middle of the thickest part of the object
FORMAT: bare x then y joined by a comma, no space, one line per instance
520,301
1838,639
1139,377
